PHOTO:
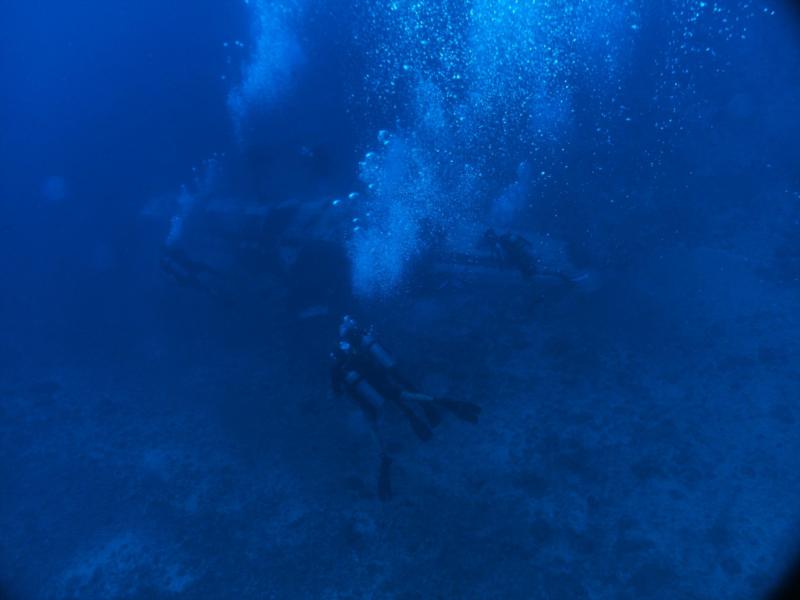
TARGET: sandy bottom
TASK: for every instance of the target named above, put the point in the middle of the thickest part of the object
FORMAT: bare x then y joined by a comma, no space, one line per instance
637,441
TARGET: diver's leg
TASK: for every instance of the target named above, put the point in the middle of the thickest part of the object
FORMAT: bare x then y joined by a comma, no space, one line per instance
419,426
425,402
415,397
466,411
385,478
385,467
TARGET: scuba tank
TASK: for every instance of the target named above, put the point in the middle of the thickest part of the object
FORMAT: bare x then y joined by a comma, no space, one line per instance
378,352
350,331
364,391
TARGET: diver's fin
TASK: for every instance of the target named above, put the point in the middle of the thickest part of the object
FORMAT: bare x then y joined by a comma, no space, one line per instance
385,478
418,425
466,411
432,415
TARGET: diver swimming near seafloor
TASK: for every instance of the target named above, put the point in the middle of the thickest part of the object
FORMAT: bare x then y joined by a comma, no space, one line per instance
512,251
367,373
175,261
509,252
185,271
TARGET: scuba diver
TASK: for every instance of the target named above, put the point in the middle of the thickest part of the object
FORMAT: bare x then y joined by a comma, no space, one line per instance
186,272
513,251
175,262
366,372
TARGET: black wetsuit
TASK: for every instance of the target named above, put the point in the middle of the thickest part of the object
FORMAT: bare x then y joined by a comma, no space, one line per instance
351,367
363,369
185,271
369,375
512,250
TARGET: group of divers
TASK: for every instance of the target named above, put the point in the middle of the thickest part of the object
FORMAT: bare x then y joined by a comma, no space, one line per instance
294,245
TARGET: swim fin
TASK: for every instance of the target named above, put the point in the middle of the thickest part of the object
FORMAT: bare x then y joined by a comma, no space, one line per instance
466,411
385,478
432,415
418,425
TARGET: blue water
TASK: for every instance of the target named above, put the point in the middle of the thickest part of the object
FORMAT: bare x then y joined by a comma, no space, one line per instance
193,194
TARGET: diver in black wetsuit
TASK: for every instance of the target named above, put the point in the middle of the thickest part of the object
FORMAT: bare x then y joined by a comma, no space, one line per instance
175,262
512,251
367,373
187,272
